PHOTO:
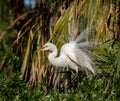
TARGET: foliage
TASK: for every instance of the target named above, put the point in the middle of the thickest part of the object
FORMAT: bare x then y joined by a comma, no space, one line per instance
23,33
14,89
100,87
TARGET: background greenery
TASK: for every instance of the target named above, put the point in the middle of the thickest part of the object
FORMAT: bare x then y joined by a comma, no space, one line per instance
25,73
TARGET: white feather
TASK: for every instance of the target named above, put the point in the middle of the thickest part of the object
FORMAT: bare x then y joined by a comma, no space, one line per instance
72,55
83,34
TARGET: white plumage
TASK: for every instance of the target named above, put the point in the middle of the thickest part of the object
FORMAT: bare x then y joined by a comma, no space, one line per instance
71,55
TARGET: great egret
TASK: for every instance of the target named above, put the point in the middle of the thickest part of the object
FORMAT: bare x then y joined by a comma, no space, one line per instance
71,55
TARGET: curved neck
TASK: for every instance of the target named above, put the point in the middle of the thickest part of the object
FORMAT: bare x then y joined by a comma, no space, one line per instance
52,56
54,51
57,61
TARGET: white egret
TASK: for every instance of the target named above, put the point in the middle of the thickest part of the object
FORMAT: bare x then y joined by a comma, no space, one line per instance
71,55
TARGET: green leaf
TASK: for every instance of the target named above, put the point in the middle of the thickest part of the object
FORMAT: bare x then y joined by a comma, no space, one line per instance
99,50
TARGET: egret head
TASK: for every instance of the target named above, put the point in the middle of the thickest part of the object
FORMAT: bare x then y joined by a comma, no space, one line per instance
49,46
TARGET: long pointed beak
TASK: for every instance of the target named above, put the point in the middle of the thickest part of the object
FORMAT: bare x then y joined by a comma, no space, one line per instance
45,46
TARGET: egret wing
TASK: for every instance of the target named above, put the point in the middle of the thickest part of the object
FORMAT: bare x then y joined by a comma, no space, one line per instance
72,62
84,60
83,34
68,51
84,44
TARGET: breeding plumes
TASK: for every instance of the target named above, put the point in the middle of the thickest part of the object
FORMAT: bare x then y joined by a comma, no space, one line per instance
72,54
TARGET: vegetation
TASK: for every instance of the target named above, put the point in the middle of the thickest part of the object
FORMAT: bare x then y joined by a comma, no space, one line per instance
25,73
